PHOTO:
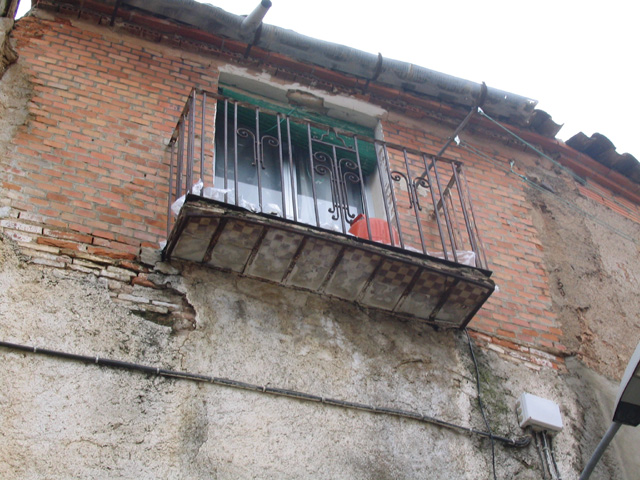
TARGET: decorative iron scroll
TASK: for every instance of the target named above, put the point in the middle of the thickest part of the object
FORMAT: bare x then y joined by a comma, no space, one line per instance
258,145
412,187
340,172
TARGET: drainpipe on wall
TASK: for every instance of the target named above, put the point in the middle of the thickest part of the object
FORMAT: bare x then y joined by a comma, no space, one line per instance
8,8
252,22
8,55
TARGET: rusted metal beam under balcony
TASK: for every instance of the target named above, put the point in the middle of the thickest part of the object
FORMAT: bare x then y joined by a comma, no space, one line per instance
402,283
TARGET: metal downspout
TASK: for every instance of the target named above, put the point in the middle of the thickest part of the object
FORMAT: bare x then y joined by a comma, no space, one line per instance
251,23
396,74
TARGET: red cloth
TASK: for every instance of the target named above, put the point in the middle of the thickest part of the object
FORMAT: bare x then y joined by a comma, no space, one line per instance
379,230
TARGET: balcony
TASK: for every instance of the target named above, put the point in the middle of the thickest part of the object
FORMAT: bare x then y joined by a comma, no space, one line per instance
266,194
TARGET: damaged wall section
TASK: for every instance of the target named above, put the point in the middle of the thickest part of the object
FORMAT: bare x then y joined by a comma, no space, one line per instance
254,332
88,110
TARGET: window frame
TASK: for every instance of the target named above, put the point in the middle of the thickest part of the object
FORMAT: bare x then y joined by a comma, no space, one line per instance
338,135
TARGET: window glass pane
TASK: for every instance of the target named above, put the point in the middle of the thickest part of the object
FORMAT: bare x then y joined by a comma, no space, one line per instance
336,181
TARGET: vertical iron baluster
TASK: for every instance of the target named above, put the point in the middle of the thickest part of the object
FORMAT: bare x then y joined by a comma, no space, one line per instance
202,176
170,188
214,159
340,190
445,211
362,189
412,194
393,197
282,189
384,196
258,158
226,147
472,238
435,204
190,141
180,156
457,236
294,194
235,151
313,177
482,261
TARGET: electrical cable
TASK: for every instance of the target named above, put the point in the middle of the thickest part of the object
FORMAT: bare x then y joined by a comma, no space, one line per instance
577,177
484,417
549,446
470,148
195,377
547,456
542,462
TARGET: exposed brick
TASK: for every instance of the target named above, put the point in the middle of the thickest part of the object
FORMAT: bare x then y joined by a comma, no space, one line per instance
87,264
136,267
30,247
19,236
76,237
143,281
114,254
121,271
115,276
101,260
48,262
80,268
48,259
58,243
170,306
132,298
23,227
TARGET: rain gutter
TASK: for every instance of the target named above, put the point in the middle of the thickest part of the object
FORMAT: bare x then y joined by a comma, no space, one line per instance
396,74
519,442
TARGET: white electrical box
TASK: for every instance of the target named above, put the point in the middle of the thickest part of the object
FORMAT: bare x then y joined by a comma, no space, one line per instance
538,413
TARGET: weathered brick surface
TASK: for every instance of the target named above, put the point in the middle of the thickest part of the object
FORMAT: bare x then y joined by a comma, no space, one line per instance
616,203
85,182
520,310
125,280
92,161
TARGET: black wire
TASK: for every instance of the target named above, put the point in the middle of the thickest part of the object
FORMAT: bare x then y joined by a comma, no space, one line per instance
484,417
547,439
194,377
543,463
470,148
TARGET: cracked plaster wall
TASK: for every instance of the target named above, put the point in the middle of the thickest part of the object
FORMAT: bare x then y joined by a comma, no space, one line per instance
68,420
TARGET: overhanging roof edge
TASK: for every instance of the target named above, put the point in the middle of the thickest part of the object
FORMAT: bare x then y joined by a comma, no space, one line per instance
397,74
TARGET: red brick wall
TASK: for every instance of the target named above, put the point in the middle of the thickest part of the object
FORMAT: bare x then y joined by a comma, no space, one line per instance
520,310
92,160
89,171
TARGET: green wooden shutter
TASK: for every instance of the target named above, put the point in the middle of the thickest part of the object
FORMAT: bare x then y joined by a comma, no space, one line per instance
299,133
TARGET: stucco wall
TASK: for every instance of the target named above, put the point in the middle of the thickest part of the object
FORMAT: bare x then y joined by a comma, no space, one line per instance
66,419
84,184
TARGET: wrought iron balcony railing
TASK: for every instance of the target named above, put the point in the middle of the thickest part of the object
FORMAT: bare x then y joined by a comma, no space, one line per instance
271,162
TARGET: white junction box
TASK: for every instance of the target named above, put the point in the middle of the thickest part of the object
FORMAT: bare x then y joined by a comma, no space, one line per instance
538,413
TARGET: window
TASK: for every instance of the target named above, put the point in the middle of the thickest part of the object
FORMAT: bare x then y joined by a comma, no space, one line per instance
287,161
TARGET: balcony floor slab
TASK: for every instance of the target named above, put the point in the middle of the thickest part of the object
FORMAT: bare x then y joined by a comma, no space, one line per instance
396,281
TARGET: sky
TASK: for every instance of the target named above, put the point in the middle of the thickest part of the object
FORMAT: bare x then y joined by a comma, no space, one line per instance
579,59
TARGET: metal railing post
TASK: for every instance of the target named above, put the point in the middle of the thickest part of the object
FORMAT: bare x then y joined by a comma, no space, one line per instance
332,154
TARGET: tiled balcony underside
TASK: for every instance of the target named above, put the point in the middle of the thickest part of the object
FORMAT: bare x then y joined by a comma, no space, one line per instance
328,263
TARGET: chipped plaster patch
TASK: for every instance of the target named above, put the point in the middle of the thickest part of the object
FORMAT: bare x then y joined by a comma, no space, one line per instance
337,106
